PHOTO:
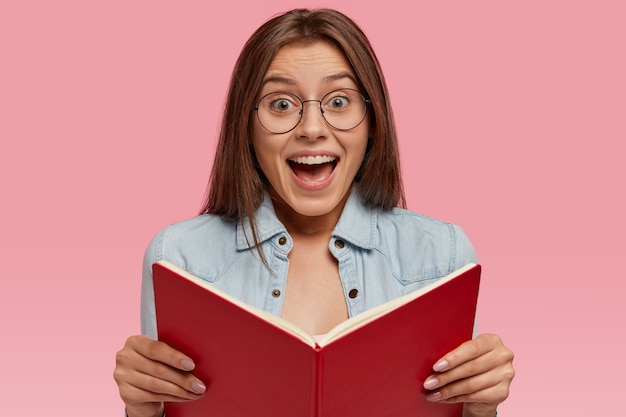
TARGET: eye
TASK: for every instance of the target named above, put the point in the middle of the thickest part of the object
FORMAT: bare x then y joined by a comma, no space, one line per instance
339,100
280,103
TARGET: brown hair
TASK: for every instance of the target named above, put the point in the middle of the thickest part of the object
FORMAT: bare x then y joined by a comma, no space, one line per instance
237,183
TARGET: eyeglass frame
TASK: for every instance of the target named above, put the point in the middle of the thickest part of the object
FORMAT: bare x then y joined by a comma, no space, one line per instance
366,101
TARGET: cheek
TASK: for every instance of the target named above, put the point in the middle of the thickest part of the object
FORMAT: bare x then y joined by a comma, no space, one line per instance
267,154
258,143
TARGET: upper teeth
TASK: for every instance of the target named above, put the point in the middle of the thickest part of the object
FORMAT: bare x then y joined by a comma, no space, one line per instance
313,160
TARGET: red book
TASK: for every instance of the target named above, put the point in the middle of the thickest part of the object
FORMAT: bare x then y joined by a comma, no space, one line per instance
257,364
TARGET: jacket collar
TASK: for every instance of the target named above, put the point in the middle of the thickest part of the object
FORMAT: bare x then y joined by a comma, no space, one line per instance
357,224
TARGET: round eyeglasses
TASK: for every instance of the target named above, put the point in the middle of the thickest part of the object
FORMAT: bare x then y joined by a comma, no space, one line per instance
280,112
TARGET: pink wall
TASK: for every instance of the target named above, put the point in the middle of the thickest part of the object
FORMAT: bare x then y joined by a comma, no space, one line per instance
510,117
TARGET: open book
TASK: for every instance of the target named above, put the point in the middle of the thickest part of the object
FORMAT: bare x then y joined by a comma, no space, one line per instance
257,364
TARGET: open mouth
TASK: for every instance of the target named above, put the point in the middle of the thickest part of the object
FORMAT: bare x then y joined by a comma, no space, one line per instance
313,169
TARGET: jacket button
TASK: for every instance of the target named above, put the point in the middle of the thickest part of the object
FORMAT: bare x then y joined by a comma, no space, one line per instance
339,244
276,293
353,293
282,240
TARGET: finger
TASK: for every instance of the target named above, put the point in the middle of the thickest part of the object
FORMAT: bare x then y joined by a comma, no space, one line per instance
161,352
465,386
140,388
489,387
133,369
160,378
466,370
467,393
499,360
467,351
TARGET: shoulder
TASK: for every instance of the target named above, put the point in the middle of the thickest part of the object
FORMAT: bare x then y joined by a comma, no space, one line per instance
200,245
206,229
421,245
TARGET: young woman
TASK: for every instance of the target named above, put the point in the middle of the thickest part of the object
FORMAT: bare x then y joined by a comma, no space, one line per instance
304,216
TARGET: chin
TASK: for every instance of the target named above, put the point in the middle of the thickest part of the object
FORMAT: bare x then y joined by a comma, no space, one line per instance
316,206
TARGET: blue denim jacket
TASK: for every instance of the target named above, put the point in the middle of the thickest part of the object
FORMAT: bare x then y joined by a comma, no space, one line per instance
381,255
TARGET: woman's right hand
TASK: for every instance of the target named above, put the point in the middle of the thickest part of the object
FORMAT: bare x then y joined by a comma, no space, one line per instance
149,372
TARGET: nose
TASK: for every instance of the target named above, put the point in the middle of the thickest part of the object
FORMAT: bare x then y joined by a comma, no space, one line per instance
312,126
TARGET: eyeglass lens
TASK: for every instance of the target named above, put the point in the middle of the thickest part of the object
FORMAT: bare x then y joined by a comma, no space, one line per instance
280,112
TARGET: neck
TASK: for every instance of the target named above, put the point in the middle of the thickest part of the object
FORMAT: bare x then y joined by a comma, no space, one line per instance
301,225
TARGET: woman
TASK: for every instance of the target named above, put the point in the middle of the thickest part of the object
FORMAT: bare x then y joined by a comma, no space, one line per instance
302,213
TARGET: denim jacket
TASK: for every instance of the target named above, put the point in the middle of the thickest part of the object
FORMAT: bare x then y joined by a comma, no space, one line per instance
381,255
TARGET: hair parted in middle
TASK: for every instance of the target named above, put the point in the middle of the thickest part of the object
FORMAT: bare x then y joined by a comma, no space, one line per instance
237,184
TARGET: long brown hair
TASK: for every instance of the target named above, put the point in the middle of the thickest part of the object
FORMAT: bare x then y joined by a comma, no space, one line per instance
237,183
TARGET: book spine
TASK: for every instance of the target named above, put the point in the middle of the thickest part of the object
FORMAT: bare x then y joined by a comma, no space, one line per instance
318,377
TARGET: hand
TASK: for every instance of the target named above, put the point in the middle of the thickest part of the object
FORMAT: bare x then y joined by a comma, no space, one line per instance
149,372
478,373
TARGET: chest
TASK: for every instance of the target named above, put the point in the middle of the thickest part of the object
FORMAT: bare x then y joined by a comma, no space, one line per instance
314,295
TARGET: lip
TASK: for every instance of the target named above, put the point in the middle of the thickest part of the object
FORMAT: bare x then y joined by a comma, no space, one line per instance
312,185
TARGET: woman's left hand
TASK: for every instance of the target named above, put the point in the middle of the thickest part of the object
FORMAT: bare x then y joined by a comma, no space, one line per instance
478,373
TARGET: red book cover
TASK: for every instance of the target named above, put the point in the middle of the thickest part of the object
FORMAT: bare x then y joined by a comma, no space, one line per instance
257,364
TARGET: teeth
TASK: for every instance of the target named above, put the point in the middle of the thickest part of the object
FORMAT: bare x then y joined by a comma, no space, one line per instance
313,160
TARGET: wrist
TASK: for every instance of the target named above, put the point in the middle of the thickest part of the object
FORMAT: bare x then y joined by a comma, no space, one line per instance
159,412
475,410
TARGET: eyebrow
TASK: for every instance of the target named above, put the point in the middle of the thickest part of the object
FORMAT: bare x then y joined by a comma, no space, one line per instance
327,80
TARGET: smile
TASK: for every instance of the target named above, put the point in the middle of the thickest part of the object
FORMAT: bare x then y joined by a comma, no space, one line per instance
313,160
313,169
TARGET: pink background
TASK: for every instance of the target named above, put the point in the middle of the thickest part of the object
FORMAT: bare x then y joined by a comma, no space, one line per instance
511,118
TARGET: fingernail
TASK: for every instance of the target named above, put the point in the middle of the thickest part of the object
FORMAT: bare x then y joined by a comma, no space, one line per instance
187,364
198,387
431,382
441,366
435,396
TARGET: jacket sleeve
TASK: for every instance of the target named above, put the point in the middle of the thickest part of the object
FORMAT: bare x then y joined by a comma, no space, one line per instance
148,316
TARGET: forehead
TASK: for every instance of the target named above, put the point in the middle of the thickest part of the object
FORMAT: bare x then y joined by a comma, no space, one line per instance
318,62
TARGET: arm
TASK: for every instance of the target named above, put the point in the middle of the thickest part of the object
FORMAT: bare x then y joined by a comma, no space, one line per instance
149,372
